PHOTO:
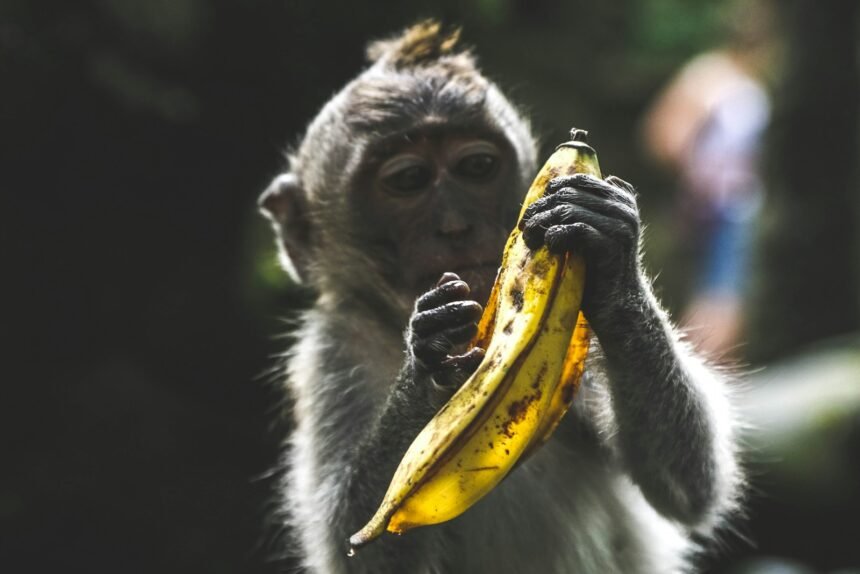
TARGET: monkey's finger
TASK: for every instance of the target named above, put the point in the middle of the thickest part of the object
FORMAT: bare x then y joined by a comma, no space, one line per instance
603,204
462,334
468,361
433,349
603,188
579,188
555,213
535,228
449,315
581,238
447,277
455,370
572,180
430,352
624,194
453,290
618,182
622,229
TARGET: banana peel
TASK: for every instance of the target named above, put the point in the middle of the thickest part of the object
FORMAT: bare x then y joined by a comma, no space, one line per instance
535,342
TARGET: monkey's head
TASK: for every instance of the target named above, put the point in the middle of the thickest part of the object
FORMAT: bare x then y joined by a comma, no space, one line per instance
416,167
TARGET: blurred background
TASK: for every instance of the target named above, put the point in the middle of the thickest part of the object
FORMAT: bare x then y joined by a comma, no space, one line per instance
143,311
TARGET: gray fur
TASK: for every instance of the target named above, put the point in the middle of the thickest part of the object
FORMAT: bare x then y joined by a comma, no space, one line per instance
645,458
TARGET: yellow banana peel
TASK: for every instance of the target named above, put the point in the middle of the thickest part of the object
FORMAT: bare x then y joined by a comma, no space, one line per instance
536,341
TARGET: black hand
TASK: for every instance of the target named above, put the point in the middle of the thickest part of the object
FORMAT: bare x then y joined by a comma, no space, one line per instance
598,219
443,319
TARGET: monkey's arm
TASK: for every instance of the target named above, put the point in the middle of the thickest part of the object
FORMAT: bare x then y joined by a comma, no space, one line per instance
674,427
372,462
442,319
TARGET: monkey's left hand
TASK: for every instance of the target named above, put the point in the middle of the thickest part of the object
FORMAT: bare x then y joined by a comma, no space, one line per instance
598,219
444,320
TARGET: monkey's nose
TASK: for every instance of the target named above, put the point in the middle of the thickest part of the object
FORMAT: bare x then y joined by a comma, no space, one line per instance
455,226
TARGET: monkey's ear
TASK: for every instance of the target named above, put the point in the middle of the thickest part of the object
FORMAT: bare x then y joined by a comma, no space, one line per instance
285,203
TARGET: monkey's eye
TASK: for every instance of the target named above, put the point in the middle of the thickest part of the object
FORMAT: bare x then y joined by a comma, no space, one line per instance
477,166
406,175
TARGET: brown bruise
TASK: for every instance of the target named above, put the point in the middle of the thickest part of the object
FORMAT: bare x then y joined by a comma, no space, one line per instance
517,411
538,382
517,297
540,266
480,468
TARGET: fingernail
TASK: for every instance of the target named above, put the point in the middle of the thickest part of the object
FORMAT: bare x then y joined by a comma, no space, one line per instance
446,278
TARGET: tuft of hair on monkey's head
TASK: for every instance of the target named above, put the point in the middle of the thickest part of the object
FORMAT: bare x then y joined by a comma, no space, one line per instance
421,44
418,82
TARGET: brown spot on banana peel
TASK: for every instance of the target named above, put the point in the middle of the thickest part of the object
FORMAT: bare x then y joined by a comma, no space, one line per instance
481,468
523,262
517,297
517,411
540,268
538,382
567,392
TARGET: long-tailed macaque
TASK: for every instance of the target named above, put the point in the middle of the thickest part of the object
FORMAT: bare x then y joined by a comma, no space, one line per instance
404,190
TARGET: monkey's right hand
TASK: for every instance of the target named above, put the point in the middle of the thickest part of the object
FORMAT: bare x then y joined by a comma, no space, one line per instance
444,319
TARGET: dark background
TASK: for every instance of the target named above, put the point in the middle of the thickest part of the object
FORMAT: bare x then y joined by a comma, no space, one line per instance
143,310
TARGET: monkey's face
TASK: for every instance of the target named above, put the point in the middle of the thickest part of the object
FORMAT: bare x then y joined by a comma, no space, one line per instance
440,202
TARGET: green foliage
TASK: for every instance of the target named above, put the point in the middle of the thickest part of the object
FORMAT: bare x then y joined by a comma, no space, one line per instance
677,27
494,12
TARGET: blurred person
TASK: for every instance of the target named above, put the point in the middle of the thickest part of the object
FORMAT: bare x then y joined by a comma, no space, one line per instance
708,127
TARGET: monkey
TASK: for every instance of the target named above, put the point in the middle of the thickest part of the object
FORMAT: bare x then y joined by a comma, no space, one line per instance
394,210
